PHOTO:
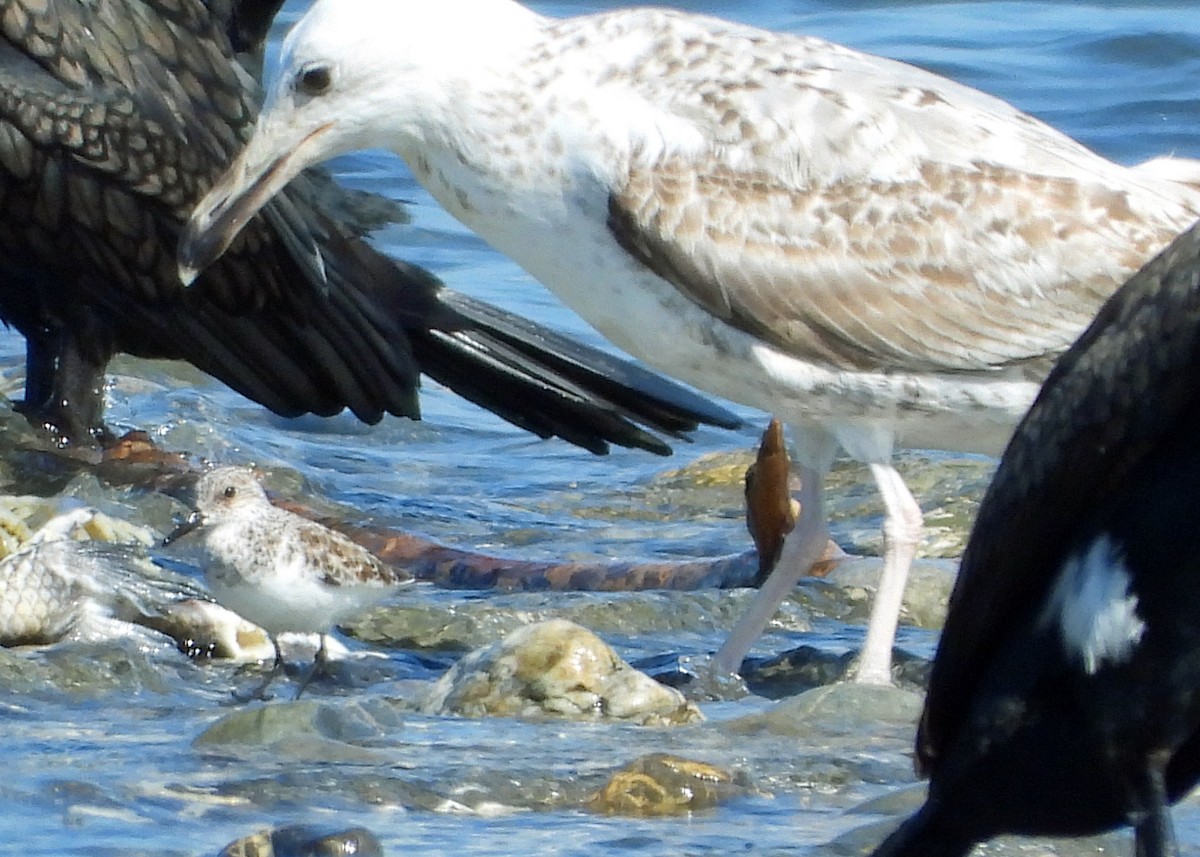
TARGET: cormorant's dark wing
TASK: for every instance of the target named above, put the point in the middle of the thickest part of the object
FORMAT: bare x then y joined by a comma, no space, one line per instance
247,22
115,117
1129,384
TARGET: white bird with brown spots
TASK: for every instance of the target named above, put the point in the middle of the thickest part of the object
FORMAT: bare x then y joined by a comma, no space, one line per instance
281,571
877,254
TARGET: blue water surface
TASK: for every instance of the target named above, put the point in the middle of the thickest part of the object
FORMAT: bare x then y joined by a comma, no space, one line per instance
1122,77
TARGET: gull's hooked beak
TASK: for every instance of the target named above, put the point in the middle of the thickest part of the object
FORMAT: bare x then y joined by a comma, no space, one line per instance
191,522
258,174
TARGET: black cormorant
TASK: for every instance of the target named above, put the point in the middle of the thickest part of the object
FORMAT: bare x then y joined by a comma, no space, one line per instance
115,117
1065,695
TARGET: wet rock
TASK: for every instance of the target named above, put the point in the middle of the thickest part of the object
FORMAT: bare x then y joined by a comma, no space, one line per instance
83,669
836,738
302,840
661,784
446,622
28,519
431,625
845,708
67,579
925,595
205,629
950,486
723,469
306,730
795,671
555,668
14,531
806,667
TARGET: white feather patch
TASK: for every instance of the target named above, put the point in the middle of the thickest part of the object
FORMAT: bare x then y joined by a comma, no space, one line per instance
1095,611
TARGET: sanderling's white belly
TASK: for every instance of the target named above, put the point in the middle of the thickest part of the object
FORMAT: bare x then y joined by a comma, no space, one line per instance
282,602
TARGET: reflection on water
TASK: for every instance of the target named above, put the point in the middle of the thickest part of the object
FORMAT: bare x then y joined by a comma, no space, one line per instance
98,740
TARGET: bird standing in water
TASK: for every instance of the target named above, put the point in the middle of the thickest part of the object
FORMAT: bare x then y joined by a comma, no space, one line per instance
874,253
278,570
1064,698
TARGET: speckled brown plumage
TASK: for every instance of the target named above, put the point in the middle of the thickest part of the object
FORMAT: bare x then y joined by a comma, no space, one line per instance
876,254
277,569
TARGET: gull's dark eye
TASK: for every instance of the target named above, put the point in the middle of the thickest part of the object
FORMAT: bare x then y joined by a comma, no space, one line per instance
314,79
230,492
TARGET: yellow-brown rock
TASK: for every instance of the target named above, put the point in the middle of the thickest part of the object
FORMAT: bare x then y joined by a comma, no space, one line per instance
660,784
555,668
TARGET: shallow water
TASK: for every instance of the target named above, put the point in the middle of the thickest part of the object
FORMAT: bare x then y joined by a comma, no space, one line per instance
100,742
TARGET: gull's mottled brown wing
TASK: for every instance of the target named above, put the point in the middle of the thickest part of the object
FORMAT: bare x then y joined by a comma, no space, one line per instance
860,213
914,276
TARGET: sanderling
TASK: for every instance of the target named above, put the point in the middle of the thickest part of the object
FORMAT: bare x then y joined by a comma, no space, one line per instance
875,253
281,571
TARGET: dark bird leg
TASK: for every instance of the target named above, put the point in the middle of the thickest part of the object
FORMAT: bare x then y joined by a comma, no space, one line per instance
260,692
40,350
79,396
64,389
1153,834
318,665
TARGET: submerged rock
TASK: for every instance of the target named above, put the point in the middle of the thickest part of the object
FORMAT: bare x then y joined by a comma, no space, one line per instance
848,708
555,668
305,731
303,840
661,784
125,665
806,667
926,593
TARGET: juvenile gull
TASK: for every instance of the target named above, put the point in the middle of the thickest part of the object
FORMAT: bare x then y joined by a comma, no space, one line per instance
877,254
115,118
279,570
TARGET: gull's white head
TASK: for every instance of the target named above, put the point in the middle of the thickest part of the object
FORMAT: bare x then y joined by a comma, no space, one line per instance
353,74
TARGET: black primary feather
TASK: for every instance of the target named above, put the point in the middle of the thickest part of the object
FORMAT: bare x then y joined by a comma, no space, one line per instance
115,118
